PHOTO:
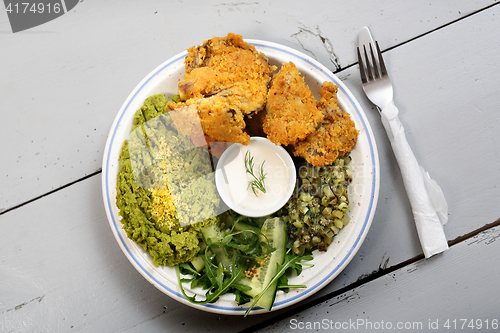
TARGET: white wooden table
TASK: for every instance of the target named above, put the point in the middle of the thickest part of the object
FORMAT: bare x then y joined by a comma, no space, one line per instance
62,83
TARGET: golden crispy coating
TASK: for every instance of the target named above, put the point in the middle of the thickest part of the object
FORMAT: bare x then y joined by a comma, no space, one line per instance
336,136
229,67
218,120
291,108
226,79
187,121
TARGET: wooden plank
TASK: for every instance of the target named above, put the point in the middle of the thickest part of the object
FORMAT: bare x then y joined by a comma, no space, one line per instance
63,82
455,291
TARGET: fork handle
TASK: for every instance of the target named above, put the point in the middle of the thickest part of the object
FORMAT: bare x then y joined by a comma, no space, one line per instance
429,227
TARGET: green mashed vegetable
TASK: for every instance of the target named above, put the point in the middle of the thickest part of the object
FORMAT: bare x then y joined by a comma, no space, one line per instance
157,168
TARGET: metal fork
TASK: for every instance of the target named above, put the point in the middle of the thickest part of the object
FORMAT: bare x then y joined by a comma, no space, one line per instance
376,82
430,214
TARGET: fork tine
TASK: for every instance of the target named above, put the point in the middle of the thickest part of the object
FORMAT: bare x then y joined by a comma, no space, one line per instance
374,62
361,67
374,76
381,61
368,65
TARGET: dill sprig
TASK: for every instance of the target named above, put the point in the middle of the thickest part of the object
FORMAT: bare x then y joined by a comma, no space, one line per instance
257,183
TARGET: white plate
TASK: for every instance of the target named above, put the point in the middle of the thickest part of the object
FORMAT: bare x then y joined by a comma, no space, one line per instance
363,189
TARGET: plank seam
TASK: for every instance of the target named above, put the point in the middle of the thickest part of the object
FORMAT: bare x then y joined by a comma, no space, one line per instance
340,69
4,211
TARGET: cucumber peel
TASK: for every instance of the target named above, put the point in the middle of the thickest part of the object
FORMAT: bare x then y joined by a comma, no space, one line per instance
274,232
212,234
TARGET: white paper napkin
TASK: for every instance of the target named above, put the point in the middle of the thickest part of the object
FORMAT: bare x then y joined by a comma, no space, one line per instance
428,203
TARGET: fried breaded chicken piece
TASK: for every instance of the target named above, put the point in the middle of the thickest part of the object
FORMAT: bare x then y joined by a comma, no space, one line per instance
219,123
187,120
291,108
228,67
226,79
334,138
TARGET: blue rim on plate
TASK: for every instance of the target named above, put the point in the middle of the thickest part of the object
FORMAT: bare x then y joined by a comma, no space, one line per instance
365,159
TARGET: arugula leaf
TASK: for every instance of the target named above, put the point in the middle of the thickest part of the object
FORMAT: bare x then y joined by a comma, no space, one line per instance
241,287
188,268
283,283
220,275
239,292
202,281
298,265
213,294
209,269
241,298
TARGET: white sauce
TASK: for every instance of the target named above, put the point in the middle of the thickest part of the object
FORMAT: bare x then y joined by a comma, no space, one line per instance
277,180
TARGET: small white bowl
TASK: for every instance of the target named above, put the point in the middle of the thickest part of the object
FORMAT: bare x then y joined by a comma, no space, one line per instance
232,179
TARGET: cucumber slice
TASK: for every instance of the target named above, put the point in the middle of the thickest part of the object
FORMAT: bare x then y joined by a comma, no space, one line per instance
198,263
275,231
212,234
240,226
